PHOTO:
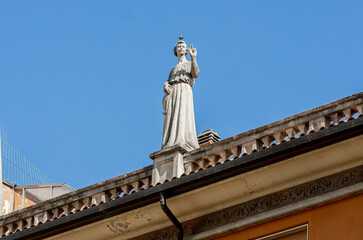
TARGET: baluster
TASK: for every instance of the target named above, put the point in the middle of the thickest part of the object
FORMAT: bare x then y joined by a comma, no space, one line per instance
65,210
10,228
235,152
335,118
359,110
72,208
125,188
98,198
318,124
146,182
38,218
266,142
348,114
278,138
291,133
86,203
47,216
200,163
250,147
136,186
113,194
302,129
77,206
5,230
223,155
213,159
28,223
56,213
188,167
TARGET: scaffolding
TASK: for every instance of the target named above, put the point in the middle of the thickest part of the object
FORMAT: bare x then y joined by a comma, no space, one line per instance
17,169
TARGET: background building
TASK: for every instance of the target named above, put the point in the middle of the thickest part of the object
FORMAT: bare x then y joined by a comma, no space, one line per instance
23,184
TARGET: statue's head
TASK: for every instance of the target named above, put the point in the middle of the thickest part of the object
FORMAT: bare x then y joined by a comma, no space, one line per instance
181,47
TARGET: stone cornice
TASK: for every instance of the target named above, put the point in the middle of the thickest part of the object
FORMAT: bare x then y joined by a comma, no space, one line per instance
262,205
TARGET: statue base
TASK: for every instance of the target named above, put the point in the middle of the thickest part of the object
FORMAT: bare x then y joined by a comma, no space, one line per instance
168,163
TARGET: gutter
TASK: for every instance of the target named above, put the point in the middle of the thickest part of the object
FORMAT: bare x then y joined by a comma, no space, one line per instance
196,180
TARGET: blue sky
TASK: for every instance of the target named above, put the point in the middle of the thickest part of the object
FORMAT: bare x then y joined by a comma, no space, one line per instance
82,81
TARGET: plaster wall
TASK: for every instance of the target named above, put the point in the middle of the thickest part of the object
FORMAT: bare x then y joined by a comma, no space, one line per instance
8,199
338,220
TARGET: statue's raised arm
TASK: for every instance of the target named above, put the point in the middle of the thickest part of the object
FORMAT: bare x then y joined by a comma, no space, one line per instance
193,56
179,123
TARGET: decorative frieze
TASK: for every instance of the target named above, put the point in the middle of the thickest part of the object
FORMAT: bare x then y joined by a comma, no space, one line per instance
264,204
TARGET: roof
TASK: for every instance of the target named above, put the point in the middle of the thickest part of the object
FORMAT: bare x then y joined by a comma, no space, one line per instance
244,152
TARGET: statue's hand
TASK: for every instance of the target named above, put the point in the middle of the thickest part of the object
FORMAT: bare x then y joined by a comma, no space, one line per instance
192,52
167,87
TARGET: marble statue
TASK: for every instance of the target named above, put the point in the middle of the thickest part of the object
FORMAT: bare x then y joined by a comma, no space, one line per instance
179,123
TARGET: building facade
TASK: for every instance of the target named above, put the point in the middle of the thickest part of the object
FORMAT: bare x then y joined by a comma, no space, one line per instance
298,178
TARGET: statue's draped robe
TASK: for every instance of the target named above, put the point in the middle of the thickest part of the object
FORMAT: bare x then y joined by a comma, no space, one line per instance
179,124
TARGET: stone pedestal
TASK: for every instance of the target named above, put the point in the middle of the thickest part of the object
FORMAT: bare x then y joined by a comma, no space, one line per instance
168,163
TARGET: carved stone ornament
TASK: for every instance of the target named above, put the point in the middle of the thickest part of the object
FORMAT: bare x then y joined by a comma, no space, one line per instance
263,204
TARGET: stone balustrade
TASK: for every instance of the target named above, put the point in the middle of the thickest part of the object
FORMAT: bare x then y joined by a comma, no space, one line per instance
76,201
284,130
210,155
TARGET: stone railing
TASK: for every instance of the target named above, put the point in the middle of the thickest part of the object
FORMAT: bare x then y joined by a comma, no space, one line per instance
76,201
275,133
207,156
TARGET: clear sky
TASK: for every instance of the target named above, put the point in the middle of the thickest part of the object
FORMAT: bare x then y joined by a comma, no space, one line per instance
82,81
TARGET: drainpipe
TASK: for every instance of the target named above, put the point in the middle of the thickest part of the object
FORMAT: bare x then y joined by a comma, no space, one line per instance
171,216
